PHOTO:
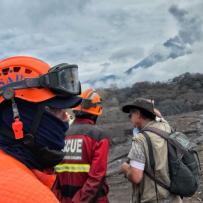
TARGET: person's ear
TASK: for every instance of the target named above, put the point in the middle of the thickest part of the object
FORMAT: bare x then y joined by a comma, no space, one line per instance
65,116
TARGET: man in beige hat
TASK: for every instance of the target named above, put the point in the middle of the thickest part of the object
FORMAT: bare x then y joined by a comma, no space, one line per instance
142,116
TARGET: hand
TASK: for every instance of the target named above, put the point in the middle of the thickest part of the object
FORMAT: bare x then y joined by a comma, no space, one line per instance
125,167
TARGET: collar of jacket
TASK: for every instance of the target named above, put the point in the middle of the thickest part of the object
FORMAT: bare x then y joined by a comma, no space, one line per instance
84,121
148,124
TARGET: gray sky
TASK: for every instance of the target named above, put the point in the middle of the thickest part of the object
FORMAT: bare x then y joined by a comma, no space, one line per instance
105,37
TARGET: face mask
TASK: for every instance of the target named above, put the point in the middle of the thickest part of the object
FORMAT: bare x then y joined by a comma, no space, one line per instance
41,150
51,132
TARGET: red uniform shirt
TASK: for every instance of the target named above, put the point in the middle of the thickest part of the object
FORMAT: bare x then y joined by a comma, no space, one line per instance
81,175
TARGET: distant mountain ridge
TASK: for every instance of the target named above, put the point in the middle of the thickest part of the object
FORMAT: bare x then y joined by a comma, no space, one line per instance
181,94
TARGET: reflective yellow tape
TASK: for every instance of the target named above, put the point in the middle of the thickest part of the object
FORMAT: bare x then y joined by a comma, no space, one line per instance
72,168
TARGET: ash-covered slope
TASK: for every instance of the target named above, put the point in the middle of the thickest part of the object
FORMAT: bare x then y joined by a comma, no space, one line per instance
180,100
190,123
179,95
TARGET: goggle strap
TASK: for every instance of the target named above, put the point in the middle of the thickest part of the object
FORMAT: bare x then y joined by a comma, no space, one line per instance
87,103
50,80
26,83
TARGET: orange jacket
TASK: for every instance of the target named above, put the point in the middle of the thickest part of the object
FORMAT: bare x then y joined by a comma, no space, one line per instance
45,178
19,185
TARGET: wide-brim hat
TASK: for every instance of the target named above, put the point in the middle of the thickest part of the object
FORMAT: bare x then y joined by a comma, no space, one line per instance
142,104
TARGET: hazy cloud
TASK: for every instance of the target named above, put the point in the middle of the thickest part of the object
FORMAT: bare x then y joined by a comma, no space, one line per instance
104,38
190,31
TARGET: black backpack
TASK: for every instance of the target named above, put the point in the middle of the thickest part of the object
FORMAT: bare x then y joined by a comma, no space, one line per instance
183,161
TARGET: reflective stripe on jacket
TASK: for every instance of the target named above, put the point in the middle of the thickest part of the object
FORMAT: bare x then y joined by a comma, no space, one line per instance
81,175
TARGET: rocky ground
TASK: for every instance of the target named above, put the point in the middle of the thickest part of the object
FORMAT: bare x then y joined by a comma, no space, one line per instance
185,98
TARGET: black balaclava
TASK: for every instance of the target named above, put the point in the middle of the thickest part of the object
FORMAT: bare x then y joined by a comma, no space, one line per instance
41,150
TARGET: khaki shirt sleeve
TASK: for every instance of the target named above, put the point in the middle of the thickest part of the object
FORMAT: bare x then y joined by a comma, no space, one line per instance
137,152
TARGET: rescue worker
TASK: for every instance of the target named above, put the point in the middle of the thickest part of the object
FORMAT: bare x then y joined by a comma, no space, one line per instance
81,175
31,138
143,115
